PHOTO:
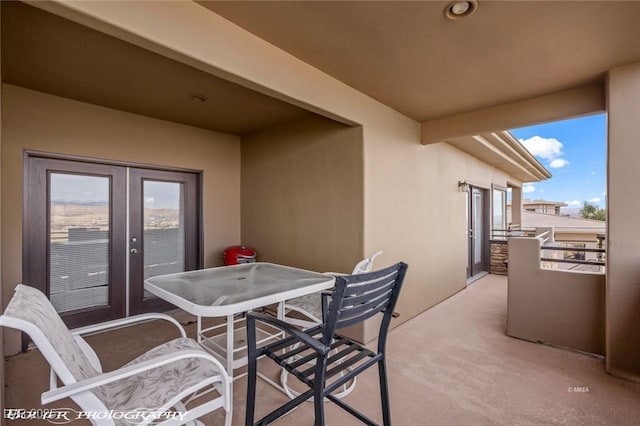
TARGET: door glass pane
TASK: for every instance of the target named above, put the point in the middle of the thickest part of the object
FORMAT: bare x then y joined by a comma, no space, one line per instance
78,241
163,232
499,208
477,227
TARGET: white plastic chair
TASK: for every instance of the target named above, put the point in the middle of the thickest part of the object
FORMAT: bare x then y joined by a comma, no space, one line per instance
165,378
310,307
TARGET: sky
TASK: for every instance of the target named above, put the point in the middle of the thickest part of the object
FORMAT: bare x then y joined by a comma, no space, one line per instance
83,189
574,151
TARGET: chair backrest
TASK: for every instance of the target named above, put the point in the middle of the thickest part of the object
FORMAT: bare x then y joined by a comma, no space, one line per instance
361,296
32,313
366,264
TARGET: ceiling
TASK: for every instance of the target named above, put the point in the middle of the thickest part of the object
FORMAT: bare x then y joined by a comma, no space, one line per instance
407,55
43,52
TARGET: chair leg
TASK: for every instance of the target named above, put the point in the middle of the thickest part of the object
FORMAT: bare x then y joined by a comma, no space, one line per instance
227,418
318,389
251,372
384,392
251,392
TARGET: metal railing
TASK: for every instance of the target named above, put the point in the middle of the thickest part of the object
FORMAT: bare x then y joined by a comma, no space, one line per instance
512,231
585,254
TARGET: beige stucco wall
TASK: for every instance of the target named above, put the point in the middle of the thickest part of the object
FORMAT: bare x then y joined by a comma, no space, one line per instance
302,194
416,213
37,121
623,207
556,307
573,102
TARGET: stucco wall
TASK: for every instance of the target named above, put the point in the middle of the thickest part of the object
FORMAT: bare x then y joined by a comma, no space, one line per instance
302,194
416,213
37,121
623,207
561,308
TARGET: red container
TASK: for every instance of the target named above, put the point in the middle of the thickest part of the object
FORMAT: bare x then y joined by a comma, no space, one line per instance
238,254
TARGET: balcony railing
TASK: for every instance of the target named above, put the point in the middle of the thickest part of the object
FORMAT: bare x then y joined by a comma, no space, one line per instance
587,254
512,231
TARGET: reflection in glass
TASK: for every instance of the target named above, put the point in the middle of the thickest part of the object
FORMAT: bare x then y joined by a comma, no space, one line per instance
163,232
478,236
499,210
78,241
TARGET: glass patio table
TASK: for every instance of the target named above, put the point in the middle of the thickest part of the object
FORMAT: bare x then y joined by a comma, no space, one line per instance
230,290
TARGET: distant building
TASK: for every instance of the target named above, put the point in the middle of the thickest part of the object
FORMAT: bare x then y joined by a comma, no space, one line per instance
541,214
542,206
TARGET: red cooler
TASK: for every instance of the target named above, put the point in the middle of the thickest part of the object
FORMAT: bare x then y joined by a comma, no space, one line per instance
235,255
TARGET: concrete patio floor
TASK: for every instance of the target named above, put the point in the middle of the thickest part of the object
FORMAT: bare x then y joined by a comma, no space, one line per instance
450,365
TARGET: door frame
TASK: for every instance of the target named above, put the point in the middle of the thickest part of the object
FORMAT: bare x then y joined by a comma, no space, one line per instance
486,229
26,224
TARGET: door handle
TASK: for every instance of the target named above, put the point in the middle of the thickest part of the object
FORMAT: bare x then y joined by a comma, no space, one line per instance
135,251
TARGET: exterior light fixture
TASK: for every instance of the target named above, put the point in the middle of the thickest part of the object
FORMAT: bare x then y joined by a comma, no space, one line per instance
198,98
460,9
463,186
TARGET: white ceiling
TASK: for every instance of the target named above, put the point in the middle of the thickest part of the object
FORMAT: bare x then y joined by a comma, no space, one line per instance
408,56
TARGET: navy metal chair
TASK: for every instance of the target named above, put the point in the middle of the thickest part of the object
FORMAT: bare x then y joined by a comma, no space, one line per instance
337,358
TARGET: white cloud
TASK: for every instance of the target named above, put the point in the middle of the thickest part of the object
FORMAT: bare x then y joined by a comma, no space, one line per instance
573,203
528,188
558,163
547,148
594,200
604,194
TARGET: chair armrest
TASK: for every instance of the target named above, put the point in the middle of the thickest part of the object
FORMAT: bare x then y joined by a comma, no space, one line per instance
109,325
131,370
291,330
335,274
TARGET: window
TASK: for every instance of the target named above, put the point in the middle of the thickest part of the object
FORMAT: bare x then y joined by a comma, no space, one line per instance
499,208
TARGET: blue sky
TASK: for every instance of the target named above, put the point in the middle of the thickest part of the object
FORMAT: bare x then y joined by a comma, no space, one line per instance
574,151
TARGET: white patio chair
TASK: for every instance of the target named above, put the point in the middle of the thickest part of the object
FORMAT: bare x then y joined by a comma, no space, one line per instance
310,307
168,377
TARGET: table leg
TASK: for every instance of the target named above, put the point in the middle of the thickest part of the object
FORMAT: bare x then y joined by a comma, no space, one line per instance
199,328
230,330
281,311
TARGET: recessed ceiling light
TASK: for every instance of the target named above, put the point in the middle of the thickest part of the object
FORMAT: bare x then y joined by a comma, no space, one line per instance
460,9
198,98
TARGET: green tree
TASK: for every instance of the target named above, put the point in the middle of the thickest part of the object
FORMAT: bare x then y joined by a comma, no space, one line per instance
591,211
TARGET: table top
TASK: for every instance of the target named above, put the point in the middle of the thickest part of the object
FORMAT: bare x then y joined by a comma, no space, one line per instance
228,290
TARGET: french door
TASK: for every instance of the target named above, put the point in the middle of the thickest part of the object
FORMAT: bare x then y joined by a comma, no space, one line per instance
94,232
